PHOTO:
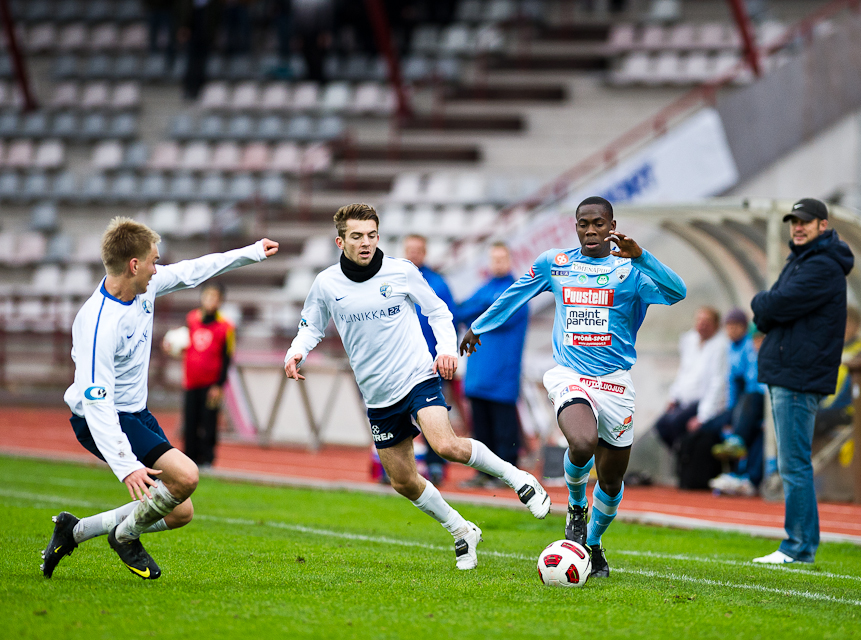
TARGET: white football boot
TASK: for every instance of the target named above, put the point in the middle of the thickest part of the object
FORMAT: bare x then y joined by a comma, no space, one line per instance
465,547
778,557
533,495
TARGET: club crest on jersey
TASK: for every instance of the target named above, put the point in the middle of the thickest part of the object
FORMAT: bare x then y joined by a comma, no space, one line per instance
622,273
603,279
582,278
385,289
560,259
147,306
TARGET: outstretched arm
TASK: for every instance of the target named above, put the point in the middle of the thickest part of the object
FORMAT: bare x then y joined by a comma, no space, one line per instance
190,273
312,328
662,286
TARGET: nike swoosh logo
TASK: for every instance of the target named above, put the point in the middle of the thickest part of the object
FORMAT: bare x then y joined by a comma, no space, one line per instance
130,335
142,574
339,299
58,548
429,399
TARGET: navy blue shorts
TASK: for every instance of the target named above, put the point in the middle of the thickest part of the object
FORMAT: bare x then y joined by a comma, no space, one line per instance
142,429
394,424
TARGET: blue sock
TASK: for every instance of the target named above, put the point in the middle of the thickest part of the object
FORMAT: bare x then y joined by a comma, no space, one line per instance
603,512
576,479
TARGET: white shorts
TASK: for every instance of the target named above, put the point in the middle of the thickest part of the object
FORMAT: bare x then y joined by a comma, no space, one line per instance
611,398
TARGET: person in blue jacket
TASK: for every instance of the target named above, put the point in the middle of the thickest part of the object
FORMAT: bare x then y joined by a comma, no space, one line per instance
803,317
415,250
493,397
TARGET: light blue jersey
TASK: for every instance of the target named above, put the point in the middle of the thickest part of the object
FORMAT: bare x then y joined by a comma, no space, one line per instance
600,305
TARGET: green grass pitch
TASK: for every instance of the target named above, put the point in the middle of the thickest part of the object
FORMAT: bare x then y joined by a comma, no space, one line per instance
267,562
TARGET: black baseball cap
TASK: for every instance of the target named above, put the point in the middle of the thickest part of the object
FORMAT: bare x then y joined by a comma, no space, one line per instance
807,209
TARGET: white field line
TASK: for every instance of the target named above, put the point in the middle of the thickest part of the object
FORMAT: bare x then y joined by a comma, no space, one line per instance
501,554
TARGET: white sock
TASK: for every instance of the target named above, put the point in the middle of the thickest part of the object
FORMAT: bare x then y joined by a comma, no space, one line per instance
147,513
101,523
485,460
433,504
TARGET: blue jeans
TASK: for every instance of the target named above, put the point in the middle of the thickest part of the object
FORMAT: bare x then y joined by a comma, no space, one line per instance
794,415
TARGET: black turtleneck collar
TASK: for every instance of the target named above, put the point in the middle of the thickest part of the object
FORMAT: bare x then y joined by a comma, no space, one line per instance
358,273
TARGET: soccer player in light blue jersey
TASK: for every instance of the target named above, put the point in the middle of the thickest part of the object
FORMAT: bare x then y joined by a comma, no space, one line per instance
601,299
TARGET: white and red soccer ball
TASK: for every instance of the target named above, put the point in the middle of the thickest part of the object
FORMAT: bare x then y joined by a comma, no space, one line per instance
564,564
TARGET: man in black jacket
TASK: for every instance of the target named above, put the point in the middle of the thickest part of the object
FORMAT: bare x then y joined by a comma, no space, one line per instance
803,316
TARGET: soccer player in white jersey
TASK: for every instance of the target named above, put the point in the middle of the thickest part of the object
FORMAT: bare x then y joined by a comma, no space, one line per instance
111,343
372,300
601,300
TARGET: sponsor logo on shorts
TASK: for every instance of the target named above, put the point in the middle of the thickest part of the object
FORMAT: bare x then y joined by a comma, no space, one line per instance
627,425
573,388
600,385
587,297
380,437
587,339
94,394
560,259
591,269
587,319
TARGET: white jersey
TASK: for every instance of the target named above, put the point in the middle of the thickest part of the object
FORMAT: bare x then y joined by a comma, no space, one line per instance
111,344
378,325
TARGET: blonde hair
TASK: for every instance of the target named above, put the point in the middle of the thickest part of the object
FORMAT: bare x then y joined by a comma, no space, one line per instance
123,240
356,211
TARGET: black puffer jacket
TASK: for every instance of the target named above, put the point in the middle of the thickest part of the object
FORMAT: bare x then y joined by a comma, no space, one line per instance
804,317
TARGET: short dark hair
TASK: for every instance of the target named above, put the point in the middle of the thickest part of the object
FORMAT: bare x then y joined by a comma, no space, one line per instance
214,284
356,211
608,208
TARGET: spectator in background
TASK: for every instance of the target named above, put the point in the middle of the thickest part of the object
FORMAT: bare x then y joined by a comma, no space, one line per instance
803,317
313,21
492,382
698,393
212,339
161,18
237,25
198,23
837,409
415,250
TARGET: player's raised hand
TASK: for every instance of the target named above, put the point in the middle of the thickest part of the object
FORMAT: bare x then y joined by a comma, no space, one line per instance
270,247
628,247
469,343
139,482
445,366
291,368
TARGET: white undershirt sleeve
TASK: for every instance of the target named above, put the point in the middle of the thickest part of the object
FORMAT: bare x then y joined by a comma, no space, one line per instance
439,317
190,273
312,327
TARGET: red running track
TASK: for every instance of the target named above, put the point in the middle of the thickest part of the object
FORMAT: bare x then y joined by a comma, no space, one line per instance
47,433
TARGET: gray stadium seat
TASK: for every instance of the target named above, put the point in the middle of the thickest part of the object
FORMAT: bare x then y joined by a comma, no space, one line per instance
37,11
182,127
211,128
241,67
59,249
270,128
65,187
240,127
98,67
35,125
125,187
329,128
152,187
35,186
10,184
94,126
67,10
154,68
272,188
213,187
5,67
98,11
136,155
9,123
242,187
299,128
126,67
129,11
94,189
215,67
65,67
183,187
65,125
123,126
43,217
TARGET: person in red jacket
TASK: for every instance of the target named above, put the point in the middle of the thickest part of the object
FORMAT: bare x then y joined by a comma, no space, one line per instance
212,339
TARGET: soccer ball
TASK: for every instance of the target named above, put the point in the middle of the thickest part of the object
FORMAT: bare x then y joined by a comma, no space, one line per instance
564,564
176,341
